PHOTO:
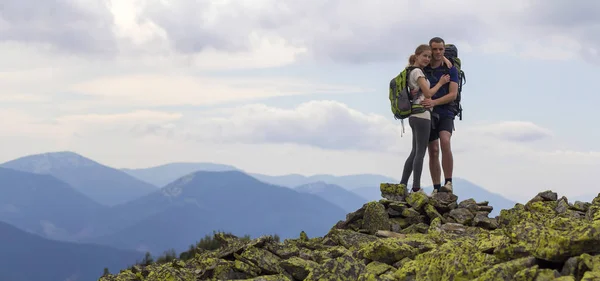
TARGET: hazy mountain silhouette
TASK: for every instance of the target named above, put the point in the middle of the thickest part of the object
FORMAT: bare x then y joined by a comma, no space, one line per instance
184,211
44,205
29,257
347,181
101,183
167,173
363,185
370,193
36,196
345,199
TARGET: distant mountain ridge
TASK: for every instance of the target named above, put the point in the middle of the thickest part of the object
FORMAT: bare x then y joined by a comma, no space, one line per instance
346,181
362,185
44,205
29,257
164,174
345,199
101,183
218,198
195,205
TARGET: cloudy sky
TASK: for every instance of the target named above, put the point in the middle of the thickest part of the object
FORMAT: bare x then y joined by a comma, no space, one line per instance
282,87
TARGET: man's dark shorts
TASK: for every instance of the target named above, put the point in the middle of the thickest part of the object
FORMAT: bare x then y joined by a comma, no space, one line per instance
438,124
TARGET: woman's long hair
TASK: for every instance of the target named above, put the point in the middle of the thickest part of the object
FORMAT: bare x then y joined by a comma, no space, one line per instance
420,49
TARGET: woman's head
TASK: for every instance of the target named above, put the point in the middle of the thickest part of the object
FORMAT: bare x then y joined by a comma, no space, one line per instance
421,57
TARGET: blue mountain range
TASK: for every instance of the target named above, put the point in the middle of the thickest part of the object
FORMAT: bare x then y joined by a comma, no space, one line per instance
111,216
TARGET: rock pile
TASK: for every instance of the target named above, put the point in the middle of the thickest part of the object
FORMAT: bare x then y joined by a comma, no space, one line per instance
413,237
405,213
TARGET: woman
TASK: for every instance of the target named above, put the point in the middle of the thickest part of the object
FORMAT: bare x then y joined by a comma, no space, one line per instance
420,118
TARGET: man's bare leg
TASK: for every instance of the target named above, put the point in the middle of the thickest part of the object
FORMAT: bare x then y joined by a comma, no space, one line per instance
447,160
434,161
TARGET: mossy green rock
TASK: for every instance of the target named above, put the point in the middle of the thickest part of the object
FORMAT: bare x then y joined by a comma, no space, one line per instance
378,268
298,268
345,267
411,238
536,273
462,216
263,259
551,240
393,192
375,218
457,258
593,212
507,270
432,213
444,201
350,239
388,251
276,277
417,200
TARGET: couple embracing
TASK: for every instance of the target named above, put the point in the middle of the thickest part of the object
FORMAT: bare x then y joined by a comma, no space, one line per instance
433,83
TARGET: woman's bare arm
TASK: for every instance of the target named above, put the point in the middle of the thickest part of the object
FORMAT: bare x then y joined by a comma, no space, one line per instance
429,92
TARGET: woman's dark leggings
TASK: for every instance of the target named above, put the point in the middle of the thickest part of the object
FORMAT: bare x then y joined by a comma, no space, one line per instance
420,139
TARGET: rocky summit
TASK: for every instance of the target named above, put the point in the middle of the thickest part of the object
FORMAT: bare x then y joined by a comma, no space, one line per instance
412,236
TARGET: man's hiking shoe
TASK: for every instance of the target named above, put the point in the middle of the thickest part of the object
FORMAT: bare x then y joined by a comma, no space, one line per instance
446,187
434,192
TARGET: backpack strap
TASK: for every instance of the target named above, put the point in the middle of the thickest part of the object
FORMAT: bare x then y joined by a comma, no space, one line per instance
409,69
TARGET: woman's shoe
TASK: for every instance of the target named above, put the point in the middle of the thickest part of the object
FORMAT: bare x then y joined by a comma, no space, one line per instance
420,190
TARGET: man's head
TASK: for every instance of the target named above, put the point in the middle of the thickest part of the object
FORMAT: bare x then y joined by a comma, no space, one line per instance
437,45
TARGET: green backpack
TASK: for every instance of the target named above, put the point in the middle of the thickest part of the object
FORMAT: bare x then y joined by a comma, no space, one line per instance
400,97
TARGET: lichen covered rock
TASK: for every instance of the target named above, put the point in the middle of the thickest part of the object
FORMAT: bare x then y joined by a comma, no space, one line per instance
375,218
393,192
409,236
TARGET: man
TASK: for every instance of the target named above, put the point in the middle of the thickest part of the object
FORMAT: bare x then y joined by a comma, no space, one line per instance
442,116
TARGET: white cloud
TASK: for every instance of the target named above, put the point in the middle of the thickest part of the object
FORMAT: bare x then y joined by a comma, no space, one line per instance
265,51
24,98
121,118
330,30
323,124
519,131
333,125
26,83
192,31
79,85
166,90
552,47
81,27
16,123
156,53
131,28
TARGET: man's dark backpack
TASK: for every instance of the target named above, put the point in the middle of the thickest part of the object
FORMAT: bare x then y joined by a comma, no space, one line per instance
451,53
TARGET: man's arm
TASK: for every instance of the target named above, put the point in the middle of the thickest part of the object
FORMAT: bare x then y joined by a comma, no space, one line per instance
453,88
451,96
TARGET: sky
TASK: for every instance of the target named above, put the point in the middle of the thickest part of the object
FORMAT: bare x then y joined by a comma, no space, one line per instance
279,87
